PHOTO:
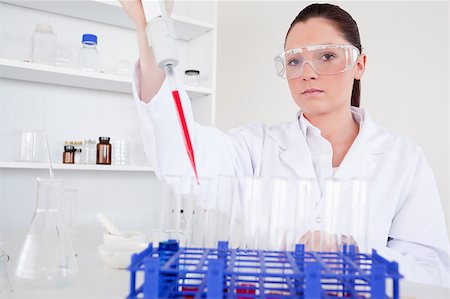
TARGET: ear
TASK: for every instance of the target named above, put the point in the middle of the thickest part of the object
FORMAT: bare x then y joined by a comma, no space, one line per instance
360,66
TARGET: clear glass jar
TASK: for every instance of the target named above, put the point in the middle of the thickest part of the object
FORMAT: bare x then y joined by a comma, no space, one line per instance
77,156
192,77
89,152
43,44
88,58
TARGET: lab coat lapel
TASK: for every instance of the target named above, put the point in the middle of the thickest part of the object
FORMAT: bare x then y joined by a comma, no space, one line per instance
359,161
295,152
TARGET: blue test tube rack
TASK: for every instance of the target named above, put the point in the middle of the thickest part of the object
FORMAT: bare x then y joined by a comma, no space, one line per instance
173,272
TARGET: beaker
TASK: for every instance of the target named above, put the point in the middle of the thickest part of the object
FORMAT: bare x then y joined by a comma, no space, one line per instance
46,258
29,146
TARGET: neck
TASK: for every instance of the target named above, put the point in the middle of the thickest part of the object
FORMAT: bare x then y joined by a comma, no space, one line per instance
337,127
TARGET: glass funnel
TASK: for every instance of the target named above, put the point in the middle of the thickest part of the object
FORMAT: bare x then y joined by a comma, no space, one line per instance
46,258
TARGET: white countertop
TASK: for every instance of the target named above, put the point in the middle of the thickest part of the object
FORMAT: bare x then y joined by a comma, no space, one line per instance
97,281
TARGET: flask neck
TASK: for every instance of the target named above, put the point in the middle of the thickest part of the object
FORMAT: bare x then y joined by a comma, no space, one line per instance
49,194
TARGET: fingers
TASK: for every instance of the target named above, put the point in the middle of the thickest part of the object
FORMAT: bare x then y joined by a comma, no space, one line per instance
322,241
305,237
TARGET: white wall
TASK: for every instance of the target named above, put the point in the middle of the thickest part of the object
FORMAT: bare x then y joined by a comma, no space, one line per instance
405,84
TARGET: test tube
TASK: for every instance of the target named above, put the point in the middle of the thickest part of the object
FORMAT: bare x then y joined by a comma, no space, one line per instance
330,233
199,193
230,222
168,226
359,215
302,208
256,206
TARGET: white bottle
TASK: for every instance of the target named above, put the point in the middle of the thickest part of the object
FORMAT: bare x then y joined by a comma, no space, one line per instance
88,58
43,44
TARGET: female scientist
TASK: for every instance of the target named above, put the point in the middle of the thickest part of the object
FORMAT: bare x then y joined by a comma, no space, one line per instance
330,136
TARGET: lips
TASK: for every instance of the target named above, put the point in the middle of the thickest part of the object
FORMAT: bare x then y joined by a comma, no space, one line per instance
312,91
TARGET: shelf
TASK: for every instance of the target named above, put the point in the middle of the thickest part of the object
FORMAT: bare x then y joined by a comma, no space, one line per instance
111,13
35,72
49,74
31,165
197,91
187,28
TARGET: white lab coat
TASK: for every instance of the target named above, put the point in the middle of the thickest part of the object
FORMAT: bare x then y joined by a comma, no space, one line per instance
404,201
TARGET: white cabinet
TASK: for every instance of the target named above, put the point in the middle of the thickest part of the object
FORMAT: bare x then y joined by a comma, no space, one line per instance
70,104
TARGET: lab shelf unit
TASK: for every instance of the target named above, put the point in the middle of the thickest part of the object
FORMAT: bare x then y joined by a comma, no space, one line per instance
95,167
72,104
57,75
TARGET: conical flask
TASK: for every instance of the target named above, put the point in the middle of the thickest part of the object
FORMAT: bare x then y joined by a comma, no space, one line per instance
5,285
46,258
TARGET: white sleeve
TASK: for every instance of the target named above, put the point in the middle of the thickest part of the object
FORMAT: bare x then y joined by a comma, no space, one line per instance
418,235
216,152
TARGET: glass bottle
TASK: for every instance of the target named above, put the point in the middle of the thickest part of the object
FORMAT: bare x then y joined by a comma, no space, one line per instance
77,156
192,77
104,151
68,155
46,258
88,58
43,44
92,151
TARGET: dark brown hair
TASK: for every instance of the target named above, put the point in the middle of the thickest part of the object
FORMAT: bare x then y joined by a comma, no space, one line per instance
344,23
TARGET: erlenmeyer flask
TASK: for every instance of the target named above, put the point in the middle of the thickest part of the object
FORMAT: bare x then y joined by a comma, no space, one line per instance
46,258
5,285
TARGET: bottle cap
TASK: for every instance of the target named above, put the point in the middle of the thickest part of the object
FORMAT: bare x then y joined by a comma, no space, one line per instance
104,139
192,72
69,148
89,39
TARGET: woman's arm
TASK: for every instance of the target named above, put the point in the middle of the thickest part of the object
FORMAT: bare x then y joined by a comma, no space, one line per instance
150,73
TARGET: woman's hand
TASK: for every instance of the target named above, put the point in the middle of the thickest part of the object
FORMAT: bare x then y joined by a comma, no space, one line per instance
322,241
135,11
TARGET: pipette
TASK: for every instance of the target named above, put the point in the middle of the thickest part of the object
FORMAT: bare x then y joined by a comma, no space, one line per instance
176,97
161,34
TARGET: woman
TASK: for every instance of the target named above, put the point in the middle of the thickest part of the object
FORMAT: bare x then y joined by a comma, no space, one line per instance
331,137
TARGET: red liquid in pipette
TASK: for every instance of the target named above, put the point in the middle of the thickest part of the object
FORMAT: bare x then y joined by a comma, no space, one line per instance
187,138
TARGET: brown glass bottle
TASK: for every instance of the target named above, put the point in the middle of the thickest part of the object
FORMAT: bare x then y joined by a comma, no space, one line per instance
69,154
104,151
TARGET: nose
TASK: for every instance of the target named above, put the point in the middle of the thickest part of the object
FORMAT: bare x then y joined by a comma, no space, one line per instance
308,72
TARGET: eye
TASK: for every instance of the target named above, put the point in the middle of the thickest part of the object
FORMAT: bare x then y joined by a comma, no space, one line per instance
294,62
328,57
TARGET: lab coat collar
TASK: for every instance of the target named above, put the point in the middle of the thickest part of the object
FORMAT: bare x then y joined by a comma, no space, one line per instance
359,161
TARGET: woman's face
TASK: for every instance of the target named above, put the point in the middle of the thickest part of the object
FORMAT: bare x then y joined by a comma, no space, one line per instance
333,92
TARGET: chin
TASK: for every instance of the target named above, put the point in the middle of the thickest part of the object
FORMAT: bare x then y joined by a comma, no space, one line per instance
314,107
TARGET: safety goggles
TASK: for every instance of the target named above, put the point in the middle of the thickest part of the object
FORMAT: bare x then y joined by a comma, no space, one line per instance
324,59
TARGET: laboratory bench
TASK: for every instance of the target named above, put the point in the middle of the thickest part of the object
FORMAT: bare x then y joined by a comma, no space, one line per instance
97,280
